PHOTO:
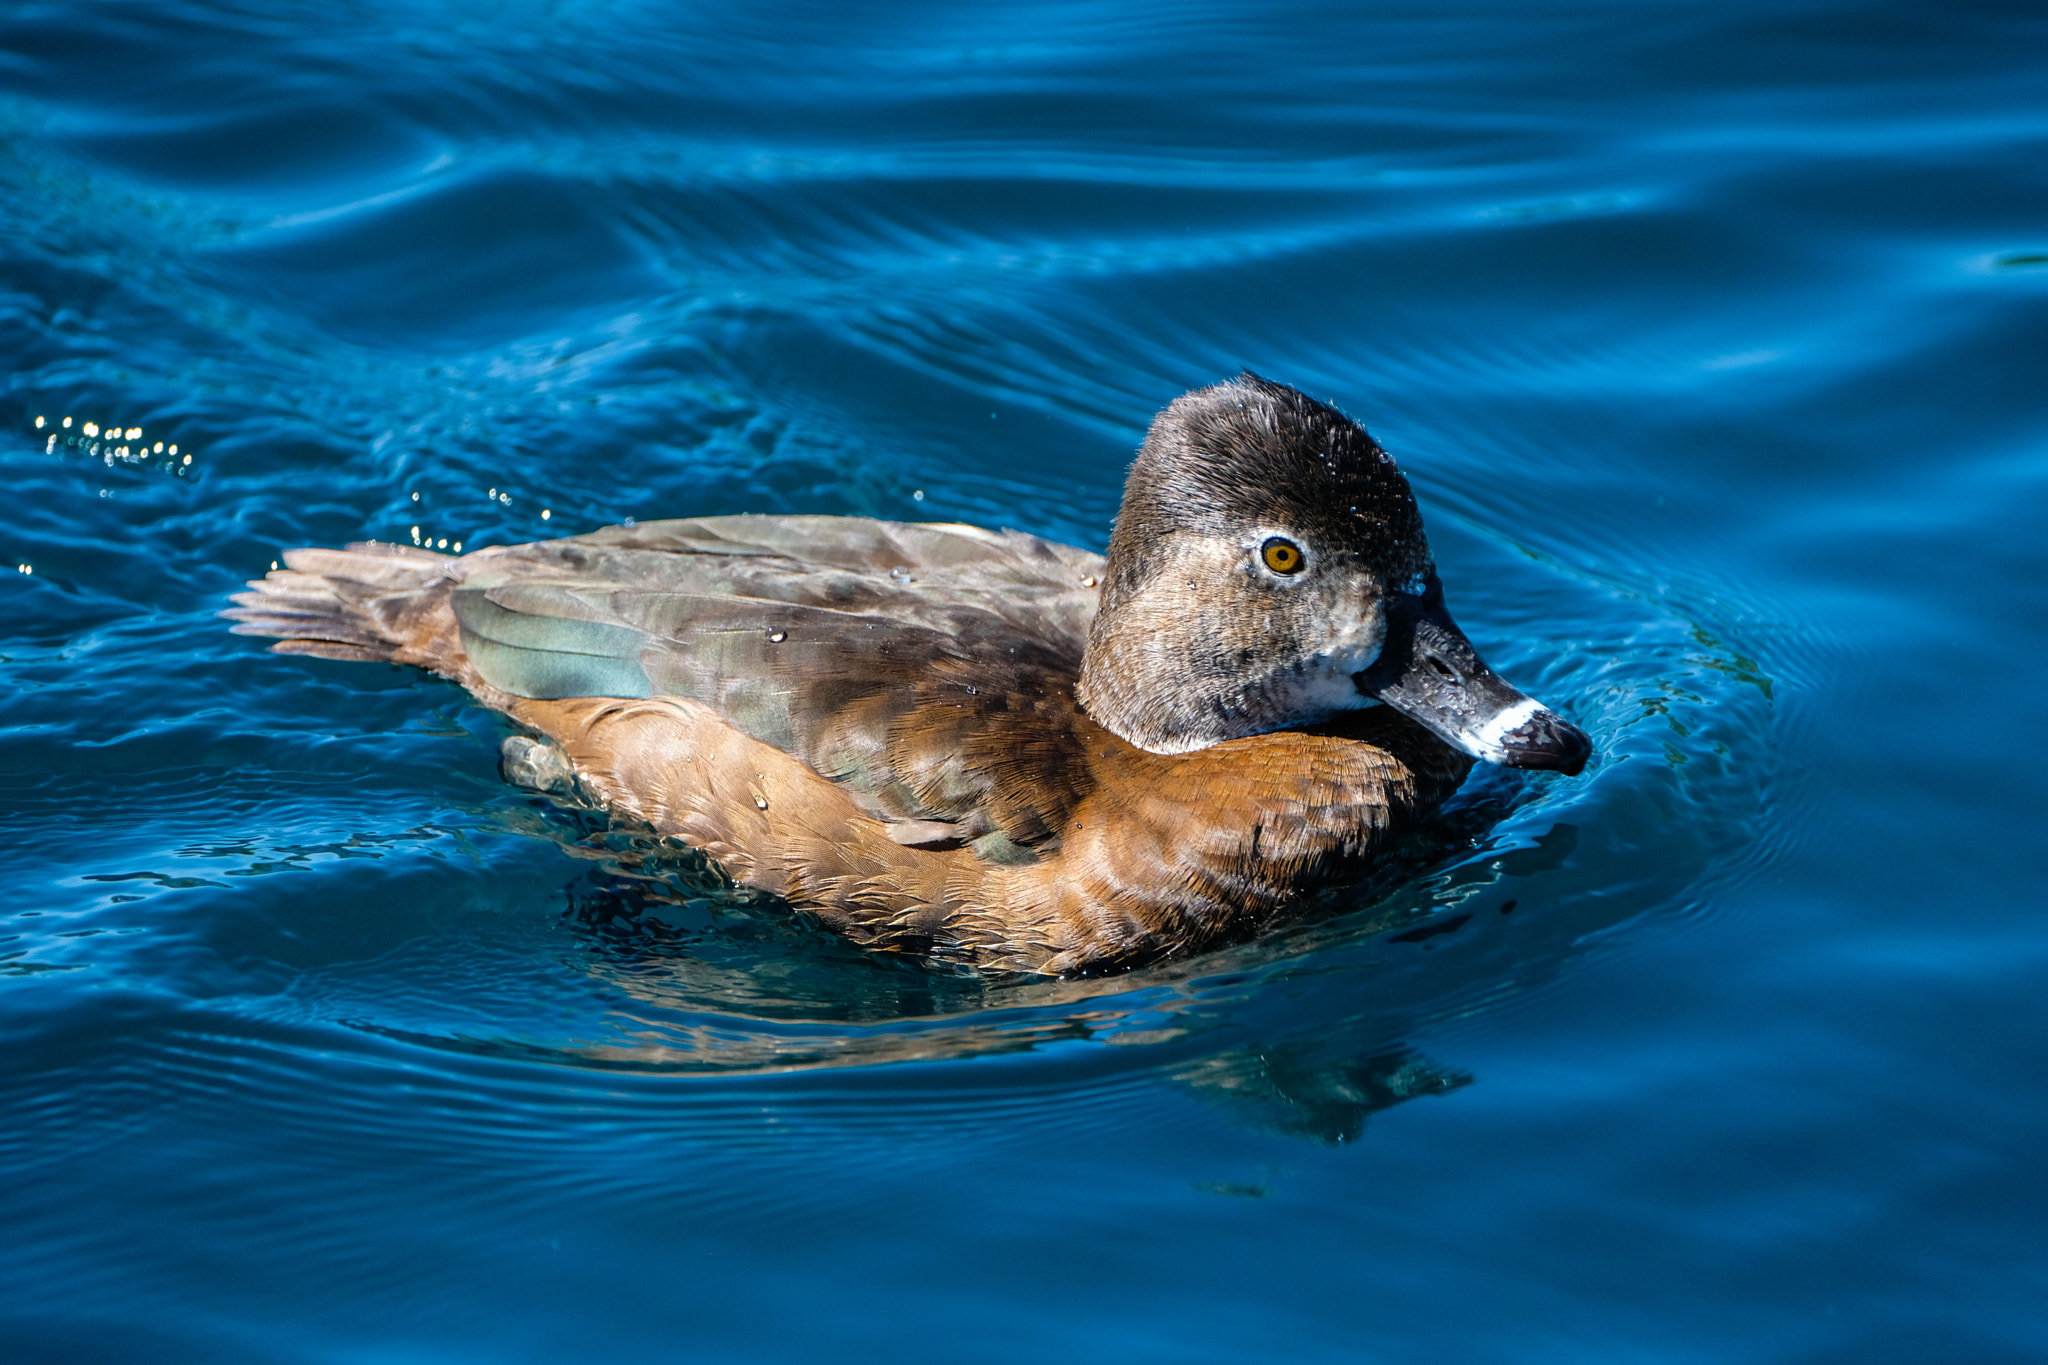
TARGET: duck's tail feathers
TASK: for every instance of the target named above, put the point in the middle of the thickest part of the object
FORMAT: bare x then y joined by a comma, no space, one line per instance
369,602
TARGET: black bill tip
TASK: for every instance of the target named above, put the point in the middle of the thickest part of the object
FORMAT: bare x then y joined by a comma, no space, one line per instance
1548,741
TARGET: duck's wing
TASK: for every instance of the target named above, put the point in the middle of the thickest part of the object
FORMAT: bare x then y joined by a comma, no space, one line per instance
929,668
920,573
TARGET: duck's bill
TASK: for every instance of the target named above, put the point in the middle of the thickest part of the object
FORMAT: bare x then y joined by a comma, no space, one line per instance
1428,670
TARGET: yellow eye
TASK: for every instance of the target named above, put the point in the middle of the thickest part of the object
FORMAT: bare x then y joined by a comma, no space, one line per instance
1281,555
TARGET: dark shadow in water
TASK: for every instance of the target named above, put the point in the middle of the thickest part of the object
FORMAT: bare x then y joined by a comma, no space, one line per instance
1301,1090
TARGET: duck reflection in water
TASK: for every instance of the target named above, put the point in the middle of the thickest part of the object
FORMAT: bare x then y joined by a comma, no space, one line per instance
979,746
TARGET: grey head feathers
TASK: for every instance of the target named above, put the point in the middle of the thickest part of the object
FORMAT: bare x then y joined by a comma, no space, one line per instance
1198,639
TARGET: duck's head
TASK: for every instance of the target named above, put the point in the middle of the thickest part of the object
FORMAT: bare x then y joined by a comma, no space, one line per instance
1269,570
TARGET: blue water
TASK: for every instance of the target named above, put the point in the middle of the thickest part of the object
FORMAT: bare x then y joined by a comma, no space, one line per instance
1714,338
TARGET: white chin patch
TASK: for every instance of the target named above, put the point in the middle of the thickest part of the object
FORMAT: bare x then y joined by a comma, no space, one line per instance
1484,741
1330,686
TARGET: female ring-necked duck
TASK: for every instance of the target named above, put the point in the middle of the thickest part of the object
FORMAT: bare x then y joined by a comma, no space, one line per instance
980,745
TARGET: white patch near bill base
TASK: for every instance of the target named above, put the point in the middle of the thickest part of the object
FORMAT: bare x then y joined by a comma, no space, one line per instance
1328,686
1486,738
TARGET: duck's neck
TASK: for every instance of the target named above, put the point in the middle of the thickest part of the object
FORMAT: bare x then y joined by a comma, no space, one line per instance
1143,682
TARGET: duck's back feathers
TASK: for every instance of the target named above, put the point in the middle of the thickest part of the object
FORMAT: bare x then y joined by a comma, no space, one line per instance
930,669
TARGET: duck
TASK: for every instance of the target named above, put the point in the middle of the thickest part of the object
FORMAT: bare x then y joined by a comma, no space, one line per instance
974,746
